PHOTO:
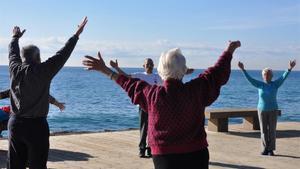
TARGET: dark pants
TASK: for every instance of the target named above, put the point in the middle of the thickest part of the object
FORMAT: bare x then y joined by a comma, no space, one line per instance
3,126
143,128
28,143
194,160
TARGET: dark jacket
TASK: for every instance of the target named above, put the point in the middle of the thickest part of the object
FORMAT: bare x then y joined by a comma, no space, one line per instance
30,83
6,94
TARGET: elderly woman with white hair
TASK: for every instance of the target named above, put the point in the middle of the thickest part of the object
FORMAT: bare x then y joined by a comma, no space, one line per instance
267,105
176,132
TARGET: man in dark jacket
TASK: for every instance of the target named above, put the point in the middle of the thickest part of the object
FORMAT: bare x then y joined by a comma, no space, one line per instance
30,82
5,110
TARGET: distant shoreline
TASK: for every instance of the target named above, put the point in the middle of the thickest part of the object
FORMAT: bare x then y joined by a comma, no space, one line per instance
195,69
59,133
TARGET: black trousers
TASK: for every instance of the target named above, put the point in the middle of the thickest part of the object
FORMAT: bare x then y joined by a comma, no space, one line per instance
143,128
28,143
194,160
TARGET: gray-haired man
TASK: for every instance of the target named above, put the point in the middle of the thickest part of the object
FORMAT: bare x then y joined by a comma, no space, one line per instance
30,82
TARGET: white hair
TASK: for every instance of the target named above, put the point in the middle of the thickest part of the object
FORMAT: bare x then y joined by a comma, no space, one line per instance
265,70
172,64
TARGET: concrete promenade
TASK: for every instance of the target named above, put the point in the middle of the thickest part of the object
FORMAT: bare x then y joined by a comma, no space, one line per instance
238,148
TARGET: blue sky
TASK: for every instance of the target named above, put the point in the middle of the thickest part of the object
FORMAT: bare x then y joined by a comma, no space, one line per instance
132,30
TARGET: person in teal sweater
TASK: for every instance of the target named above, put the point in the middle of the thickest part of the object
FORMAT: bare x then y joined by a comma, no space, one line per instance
267,104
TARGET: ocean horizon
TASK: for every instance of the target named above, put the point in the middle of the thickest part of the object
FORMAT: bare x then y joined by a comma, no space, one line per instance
95,103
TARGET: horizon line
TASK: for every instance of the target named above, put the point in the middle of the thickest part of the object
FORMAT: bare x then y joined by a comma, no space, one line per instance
296,70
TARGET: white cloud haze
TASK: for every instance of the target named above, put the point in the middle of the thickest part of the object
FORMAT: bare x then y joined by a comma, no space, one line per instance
132,54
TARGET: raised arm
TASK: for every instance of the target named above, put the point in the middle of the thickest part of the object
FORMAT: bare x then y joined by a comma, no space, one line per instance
56,62
115,65
214,77
254,82
136,89
14,51
281,79
56,103
5,94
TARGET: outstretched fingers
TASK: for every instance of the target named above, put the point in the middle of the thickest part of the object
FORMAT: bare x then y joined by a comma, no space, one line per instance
83,23
92,63
114,64
90,58
81,26
292,63
89,62
101,61
241,65
23,31
17,32
99,55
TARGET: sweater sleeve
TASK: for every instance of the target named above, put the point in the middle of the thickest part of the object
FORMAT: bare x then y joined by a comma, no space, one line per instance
136,89
51,66
206,87
281,79
255,83
214,77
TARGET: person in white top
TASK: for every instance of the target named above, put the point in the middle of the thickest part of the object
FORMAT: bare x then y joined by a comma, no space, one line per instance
153,79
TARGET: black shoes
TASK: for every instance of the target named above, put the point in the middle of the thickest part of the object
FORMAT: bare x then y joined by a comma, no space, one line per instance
142,153
265,152
269,153
148,152
145,152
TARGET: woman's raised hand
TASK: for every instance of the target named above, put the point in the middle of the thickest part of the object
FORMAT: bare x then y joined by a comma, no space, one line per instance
292,64
114,64
241,65
92,63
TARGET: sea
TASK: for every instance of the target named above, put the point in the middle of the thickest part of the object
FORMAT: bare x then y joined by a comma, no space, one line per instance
94,103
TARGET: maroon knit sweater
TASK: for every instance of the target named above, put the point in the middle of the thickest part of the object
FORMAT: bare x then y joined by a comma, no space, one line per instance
176,109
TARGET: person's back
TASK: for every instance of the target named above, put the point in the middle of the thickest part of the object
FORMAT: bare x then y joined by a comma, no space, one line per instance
177,108
29,94
30,82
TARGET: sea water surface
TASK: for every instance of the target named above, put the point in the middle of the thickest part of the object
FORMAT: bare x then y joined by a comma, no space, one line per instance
95,103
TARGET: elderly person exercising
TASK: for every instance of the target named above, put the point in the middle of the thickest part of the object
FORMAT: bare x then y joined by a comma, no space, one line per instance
30,78
267,105
176,131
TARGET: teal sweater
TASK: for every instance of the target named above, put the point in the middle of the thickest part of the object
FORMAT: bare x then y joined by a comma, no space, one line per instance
267,92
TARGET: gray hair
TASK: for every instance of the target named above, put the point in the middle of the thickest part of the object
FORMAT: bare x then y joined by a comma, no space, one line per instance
31,54
265,70
172,64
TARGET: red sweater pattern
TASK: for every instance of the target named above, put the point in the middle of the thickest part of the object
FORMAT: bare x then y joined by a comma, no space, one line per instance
176,109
